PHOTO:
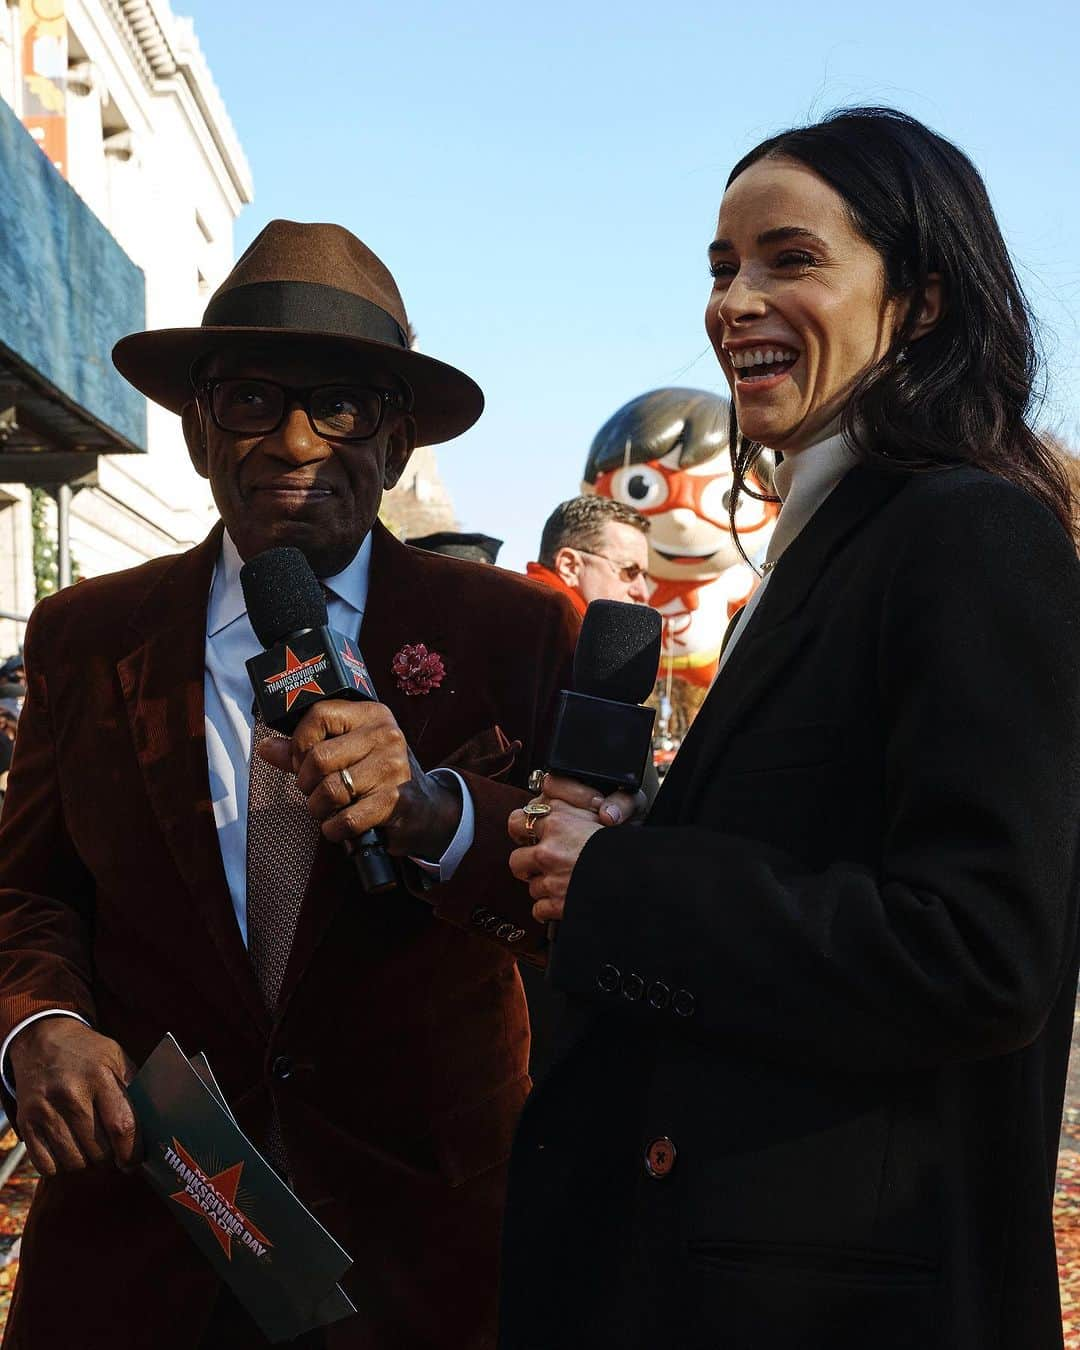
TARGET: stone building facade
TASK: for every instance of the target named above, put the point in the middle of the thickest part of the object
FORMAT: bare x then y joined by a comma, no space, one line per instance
119,96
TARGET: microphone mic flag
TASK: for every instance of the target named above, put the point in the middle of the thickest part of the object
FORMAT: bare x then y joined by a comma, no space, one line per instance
601,735
306,661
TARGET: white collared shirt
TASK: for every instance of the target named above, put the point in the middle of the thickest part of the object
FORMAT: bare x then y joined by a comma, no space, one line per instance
229,718
803,481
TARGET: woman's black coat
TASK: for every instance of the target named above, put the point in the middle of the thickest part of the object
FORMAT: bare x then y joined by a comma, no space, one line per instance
835,969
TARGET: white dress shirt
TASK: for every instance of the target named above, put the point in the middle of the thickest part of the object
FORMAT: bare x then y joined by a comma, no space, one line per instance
803,481
230,641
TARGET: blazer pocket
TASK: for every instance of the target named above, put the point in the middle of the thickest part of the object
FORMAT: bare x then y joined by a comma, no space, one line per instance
843,1265
489,754
814,1298
760,749
476,1138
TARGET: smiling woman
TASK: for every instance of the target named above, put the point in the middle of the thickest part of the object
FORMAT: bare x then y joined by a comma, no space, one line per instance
862,255
822,1000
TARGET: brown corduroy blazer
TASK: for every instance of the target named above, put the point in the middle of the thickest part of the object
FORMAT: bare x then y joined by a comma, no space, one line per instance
402,1017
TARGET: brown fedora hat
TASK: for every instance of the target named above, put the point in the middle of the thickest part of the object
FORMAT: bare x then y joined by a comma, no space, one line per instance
300,284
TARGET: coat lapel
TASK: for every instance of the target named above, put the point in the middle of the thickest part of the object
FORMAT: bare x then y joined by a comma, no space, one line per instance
400,609
771,641
162,683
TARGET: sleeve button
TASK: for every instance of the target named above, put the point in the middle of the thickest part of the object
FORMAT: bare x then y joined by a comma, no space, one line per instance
633,986
504,930
684,1003
659,995
479,914
607,981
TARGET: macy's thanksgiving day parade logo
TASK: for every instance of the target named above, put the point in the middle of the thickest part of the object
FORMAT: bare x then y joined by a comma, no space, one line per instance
213,1198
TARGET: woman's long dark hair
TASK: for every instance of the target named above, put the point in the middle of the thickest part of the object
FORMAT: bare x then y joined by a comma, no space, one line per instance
963,393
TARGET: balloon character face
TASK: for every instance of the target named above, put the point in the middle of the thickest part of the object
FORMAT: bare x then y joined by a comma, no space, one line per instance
688,507
666,454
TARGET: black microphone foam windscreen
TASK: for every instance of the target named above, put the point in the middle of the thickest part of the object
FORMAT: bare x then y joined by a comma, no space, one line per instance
282,594
618,651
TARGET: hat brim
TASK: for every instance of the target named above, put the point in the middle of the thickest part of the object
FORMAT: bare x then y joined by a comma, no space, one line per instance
446,402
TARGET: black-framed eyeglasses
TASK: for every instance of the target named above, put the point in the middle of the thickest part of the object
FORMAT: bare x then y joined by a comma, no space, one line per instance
628,571
339,412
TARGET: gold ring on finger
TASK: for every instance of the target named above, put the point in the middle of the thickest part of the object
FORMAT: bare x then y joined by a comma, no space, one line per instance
536,780
350,786
535,811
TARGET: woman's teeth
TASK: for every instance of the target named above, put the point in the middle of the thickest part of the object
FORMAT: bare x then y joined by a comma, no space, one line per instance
772,360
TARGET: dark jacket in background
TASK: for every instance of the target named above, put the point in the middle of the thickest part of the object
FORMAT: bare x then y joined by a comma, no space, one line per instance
835,969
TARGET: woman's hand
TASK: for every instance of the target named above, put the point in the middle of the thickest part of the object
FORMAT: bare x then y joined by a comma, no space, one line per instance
549,850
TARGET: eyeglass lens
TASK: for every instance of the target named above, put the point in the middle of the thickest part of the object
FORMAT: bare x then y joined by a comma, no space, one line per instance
249,407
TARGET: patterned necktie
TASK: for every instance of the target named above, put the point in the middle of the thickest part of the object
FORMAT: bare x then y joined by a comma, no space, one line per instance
281,842
282,838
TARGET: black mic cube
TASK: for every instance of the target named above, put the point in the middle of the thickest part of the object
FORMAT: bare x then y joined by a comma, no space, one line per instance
601,742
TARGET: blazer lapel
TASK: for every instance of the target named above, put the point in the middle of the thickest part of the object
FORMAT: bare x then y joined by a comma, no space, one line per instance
765,649
162,683
400,610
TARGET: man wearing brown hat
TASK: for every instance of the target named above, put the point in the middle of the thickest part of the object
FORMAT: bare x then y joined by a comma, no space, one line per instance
158,876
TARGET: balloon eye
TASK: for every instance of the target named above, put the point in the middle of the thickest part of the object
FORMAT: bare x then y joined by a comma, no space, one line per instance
637,487
715,500
640,486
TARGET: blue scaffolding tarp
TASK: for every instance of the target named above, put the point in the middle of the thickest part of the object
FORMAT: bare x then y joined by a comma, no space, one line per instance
68,292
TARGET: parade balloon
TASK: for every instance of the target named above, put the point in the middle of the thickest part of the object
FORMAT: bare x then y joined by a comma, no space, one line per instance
666,453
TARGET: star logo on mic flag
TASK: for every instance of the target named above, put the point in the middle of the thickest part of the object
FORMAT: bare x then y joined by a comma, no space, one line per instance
294,686
357,669
213,1198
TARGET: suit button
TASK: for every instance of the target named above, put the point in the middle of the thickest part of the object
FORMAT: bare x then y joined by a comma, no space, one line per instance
480,914
659,995
633,986
660,1158
516,935
683,1004
504,930
608,979
491,923
282,1068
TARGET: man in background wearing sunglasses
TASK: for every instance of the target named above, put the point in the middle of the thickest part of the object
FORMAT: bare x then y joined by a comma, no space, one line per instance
159,873
594,548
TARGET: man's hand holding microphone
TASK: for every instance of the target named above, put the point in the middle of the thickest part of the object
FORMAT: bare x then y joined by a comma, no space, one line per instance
350,758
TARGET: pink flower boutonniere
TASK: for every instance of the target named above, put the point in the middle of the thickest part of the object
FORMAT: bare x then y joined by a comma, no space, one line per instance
418,671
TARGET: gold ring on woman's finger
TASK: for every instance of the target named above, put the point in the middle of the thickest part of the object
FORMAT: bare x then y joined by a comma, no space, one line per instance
350,786
534,811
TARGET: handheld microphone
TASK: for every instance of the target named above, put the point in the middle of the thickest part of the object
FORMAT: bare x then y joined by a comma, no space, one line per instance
601,735
306,661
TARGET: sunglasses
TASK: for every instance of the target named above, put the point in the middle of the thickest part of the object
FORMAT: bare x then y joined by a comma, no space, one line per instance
628,571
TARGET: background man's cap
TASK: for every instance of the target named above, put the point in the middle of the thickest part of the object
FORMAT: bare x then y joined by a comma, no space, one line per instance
476,547
11,707
304,285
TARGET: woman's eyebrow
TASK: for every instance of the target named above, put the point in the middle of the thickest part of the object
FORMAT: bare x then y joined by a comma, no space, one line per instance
774,236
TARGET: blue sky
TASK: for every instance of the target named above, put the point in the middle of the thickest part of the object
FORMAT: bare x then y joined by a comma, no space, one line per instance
543,180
